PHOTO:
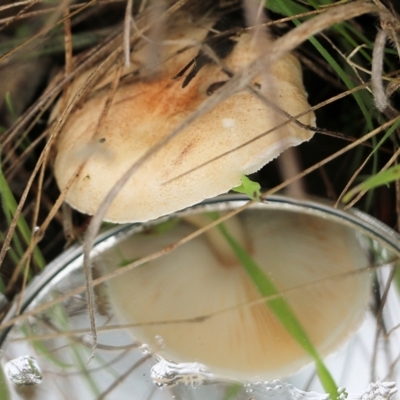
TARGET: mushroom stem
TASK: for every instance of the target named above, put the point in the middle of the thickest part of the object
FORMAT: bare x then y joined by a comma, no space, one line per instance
216,240
289,166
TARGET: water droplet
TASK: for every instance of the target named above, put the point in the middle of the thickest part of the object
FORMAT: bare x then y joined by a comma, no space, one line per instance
281,390
379,391
24,371
38,233
166,373
342,393
145,349
160,341
88,339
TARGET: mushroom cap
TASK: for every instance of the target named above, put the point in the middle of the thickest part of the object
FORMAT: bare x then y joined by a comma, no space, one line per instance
149,104
306,256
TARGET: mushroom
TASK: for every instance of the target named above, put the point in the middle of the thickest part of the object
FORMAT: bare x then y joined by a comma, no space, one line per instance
149,103
206,309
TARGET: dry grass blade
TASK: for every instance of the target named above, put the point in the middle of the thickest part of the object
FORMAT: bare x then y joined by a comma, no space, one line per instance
391,161
20,14
127,33
45,30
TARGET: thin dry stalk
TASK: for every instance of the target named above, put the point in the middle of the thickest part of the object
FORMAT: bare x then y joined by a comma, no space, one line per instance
127,33
20,14
384,168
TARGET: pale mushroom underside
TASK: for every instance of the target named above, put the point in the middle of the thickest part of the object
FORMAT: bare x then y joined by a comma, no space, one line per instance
313,259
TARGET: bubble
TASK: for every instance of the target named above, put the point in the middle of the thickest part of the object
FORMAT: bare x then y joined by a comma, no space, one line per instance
23,371
379,391
342,393
145,349
281,390
166,373
160,341
88,339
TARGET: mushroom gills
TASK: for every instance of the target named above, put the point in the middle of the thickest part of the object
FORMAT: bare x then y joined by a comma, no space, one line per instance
318,265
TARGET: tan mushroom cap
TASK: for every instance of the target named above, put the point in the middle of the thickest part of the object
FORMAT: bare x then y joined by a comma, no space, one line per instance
150,104
314,255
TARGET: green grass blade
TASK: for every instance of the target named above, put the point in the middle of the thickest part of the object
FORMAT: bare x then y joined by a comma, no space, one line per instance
232,391
10,106
80,353
41,349
342,30
4,384
346,80
287,8
383,178
335,65
10,206
396,277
